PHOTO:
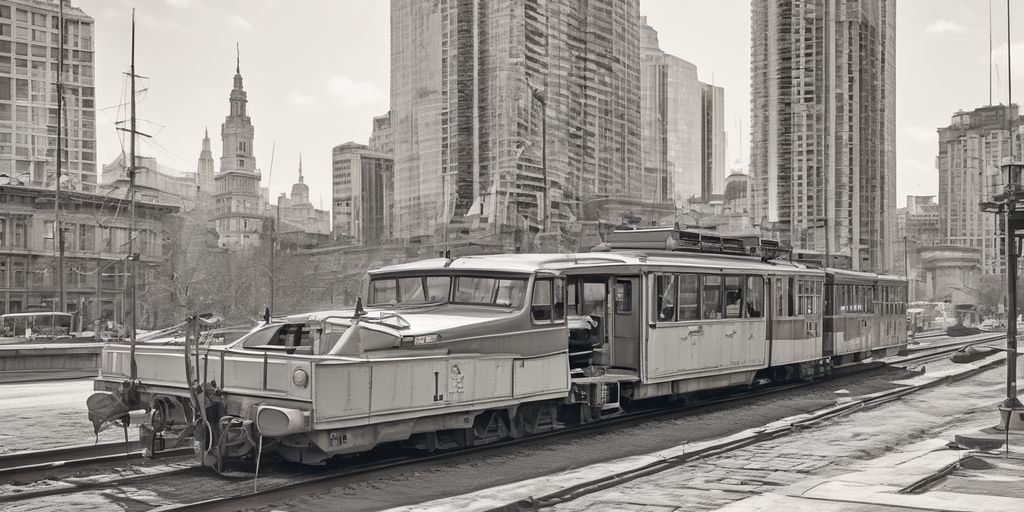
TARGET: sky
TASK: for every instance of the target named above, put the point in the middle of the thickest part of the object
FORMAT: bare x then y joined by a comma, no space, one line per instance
317,71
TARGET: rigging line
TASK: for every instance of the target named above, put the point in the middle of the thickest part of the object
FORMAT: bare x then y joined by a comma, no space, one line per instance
167,151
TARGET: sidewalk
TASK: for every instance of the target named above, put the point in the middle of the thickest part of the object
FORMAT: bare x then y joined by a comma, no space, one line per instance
889,458
926,475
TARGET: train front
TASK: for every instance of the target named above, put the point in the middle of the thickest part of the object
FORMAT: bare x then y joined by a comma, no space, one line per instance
429,371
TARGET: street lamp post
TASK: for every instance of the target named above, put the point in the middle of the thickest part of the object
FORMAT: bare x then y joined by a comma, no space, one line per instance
1012,193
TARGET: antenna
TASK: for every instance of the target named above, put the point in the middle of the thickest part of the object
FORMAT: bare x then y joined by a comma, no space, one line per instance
131,204
990,52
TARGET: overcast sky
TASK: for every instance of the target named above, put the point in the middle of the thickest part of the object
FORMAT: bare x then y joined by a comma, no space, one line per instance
317,71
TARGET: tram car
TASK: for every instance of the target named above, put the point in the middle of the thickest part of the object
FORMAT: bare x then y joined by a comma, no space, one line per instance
453,352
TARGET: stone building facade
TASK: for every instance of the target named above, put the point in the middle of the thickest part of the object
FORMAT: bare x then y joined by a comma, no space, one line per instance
96,231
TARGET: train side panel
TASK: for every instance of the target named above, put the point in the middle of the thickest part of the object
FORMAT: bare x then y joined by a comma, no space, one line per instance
694,349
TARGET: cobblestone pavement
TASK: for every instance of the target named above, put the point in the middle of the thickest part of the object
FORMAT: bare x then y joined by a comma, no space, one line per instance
834,448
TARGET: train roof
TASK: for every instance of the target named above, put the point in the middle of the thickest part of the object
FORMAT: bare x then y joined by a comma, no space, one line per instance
532,263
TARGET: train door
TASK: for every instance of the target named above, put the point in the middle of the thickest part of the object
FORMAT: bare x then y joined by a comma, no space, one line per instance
626,341
589,314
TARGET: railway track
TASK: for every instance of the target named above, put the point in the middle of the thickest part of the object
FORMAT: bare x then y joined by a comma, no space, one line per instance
283,478
17,463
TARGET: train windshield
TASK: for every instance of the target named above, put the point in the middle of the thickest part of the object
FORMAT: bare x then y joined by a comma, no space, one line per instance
410,290
480,290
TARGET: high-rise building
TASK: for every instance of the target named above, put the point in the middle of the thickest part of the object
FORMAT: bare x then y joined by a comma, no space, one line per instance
682,127
511,108
713,141
823,125
971,150
29,42
363,194
380,137
671,123
204,168
238,205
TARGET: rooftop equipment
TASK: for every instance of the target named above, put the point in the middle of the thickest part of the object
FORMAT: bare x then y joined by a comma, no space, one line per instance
675,239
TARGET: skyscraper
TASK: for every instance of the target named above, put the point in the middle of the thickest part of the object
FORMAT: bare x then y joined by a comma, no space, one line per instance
971,150
670,99
364,183
682,127
493,100
713,142
237,202
29,41
822,125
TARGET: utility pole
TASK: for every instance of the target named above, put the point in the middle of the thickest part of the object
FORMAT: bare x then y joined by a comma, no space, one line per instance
58,232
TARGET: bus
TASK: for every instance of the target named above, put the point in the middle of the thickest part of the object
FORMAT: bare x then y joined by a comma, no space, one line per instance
38,324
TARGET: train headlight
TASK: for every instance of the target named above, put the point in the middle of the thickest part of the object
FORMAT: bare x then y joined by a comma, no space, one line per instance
300,378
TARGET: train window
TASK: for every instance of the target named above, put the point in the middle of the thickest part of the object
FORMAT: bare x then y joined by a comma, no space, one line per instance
559,296
262,337
712,297
791,294
689,297
490,291
383,291
595,296
781,296
755,297
666,298
540,307
624,297
808,301
410,289
733,296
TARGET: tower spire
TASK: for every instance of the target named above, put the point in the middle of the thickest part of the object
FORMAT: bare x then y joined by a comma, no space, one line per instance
300,167
238,59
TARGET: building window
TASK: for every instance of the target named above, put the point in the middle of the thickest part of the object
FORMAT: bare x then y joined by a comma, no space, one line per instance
19,233
48,235
241,163
17,273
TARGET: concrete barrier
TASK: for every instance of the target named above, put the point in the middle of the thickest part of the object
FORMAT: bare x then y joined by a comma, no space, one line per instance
38,361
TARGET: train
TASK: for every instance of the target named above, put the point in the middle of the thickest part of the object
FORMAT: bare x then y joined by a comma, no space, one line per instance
453,352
